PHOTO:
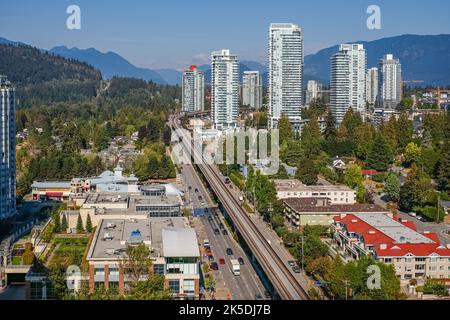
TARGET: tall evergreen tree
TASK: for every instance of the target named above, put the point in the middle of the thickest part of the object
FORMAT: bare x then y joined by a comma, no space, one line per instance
307,172
285,128
64,224
80,228
88,223
380,154
330,131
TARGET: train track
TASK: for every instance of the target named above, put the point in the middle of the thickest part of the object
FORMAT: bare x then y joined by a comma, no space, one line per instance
286,284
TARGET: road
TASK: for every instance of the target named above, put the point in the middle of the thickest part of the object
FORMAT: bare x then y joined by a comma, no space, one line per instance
248,284
269,254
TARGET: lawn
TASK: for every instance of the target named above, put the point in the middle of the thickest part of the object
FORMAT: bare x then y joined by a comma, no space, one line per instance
16,261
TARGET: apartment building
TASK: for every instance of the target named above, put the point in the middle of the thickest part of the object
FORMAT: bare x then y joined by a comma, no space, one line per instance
348,80
286,64
372,86
252,90
320,211
193,87
390,82
394,241
293,188
8,149
313,91
224,89
179,264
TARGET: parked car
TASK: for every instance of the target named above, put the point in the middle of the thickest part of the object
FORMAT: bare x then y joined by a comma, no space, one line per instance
229,251
190,187
200,198
296,269
210,218
222,261
241,261
292,263
412,214
224,232
267,294
216,232
211,258
258,297
214,266
196,190
221,226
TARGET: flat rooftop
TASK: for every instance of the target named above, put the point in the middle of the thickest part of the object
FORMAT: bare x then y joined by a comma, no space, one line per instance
393,229
128,201
322,205
169,237
295,185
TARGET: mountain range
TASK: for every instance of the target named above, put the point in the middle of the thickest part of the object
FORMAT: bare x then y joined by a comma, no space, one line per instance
423,57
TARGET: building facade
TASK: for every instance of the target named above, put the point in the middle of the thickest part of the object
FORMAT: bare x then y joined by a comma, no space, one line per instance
390,82
252,90
224,89
372,86
394,241
286,61
348,80
8,148
313,90
193,87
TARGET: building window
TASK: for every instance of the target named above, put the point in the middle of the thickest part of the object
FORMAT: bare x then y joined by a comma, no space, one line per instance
174,286
189,286
158,269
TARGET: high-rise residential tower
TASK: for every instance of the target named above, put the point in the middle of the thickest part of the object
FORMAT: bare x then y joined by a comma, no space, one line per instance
372,85
8,149
390,82
285,90
313,90
193,86
252,89
224,89
348,80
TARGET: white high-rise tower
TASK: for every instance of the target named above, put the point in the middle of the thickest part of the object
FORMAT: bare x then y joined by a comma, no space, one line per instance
390,82
224,89
348,80
8,149
252,89
193,86
285,90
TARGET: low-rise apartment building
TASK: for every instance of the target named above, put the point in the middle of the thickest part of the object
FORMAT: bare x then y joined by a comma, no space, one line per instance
394,241
173,250
293,188
320,211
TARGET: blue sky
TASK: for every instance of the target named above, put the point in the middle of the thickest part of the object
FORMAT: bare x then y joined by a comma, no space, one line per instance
175,33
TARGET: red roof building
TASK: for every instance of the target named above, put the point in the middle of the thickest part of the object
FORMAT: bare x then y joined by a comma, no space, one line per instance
392,240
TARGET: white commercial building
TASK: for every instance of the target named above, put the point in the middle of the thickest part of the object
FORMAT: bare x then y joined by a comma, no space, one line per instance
390,82
8,148
224,89
285,73
313,90
193,86
348,80
252,89
372,85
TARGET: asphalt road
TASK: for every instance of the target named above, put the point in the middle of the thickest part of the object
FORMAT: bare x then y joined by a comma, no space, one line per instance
248,284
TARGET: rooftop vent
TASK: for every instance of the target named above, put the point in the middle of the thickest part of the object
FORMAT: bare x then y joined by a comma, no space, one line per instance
354,220
371,231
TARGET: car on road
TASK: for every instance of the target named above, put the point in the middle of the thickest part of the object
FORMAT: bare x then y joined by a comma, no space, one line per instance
224,232
241,261
296,269
421,218
222,261
190,187
412,214
267,294
196,190
200,198
258,297
214,266
211,258
292,263
229,252
216,232
227,180
221,225
210,218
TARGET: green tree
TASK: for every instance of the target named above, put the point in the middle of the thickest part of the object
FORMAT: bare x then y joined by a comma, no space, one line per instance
64,224
80,228
363,140
416,190
330,131
444,168
413,153
28,255
353,176
405,131
285,129
56,217
88,223
392,187
307,172
380,154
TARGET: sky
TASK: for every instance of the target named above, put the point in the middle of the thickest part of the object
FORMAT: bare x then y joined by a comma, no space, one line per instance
177,33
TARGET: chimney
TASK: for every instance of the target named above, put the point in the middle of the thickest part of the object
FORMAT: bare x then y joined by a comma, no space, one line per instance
354,220
371,231
383,246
